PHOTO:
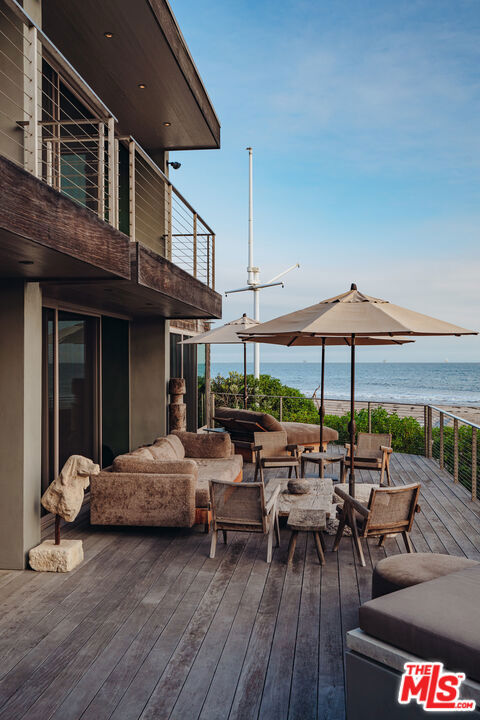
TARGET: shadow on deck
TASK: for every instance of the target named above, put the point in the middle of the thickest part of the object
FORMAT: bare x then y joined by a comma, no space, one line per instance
150,627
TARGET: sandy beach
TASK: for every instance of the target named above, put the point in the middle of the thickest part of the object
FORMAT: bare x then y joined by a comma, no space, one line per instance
340,407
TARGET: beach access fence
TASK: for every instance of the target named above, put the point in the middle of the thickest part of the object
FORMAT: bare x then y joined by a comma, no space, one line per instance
449,438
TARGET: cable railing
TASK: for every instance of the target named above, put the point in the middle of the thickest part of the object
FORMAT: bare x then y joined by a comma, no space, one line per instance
163,219
428,430
453,441
53,125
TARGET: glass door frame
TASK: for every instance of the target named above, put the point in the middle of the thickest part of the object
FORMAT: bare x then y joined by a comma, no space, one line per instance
97,391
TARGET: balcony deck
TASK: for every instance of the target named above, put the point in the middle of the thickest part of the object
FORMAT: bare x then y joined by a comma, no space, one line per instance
150,627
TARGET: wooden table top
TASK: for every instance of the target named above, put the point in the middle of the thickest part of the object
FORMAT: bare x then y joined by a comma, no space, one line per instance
319,498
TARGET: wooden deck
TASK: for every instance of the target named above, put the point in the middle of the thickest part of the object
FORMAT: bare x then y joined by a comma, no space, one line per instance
149,627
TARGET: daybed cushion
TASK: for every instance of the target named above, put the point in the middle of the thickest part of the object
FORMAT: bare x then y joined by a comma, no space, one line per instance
400,571
132,464
204,445
215,469
305,433
297,433
266,421
162,449
435,620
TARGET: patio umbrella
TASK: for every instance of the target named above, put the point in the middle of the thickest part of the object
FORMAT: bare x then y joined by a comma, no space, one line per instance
351,316
227,335
308,340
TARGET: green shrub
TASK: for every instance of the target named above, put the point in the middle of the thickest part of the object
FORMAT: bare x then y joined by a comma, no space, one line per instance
407,432
229,391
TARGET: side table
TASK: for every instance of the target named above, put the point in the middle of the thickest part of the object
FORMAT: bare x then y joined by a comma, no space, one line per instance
321,459
314,521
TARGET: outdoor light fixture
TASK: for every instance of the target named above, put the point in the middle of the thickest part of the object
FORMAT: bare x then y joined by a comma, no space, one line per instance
166,124
142,86
175,165
108,35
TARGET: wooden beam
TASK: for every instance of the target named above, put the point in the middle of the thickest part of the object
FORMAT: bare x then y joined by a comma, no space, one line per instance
156,272
57,222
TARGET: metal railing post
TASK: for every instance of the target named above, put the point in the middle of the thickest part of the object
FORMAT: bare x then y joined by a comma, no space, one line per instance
208,260
455,450
425,430
430,434
213,262
194,244
131,189
117,183
111,170
281,409
169,221
101,170
474,463
441,454
31,144
49,152
369,406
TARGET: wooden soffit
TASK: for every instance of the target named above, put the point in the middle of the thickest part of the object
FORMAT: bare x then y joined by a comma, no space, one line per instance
146,47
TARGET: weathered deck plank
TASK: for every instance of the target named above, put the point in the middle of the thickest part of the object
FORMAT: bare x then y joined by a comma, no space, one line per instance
150,627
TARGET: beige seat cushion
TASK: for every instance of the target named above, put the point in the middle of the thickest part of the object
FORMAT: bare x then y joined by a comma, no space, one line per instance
163,450
219,468
177,445
202,494
433,620
305,434
214,469
204,445
401,571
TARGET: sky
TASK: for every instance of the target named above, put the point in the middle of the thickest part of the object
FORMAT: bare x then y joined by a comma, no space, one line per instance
364,119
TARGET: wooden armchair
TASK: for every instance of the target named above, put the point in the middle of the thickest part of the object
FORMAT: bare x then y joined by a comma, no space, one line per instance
389,511
272,451
242,507
372,452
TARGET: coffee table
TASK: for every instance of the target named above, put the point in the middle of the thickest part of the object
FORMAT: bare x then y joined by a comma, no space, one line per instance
314,521
320,496
321,459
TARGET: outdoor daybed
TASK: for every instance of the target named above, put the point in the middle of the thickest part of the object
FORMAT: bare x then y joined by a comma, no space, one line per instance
431,621
242,424
164,484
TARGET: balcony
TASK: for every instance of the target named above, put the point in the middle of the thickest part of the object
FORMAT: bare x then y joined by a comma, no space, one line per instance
149,626
54,126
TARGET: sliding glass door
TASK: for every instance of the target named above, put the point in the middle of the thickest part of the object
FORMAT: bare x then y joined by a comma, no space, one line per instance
70,389
77,386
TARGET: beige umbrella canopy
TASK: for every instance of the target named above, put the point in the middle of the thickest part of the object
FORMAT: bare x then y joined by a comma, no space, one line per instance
227,335
354,313
309,340
351,316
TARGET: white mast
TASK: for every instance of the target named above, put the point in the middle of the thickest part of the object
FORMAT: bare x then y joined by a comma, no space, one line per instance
253,273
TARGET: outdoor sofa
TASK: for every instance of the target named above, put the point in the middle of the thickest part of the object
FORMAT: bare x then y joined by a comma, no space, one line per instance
242,424
164,484
436,620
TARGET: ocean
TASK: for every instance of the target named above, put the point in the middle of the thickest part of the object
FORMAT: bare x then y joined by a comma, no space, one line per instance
434,383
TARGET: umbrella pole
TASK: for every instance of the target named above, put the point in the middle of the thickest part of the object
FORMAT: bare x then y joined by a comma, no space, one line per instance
351,484
245,395
322,395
